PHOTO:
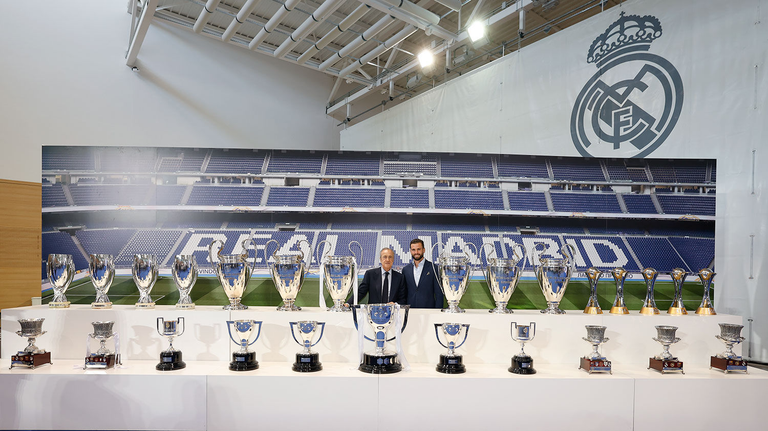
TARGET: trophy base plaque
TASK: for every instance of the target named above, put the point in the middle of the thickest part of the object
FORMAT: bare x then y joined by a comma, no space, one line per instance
99,362
170,361
522,365
619,310
101,305
307,363
30,360
595,365
385,364
185,306
677,311
649,311
244,361
146,305
706,311
728,365
593,310
451,365
58,304
666,365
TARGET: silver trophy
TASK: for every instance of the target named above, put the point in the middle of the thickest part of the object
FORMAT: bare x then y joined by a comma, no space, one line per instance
380,317
184,270
307,361
595,362
593,307
103,357
233,272
678,278
244,359
730,335
102,272
706,276
31,356
170,358
502,276
553,275
144,271
522,363
665,362
338,274
287,271
450,362
619,275
649,304
61,271
453,275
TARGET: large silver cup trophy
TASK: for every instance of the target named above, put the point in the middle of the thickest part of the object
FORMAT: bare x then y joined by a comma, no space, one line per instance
61,271
184,270
233,272
706,308
288,272
307,361
649,304
665,362
453,275
102,272
31,356
522,363
678,278
553,275
170,358
103,358
244,359
338,273
593,307
450,362
619,275
502,276
595,362
380,317
144,270
728,361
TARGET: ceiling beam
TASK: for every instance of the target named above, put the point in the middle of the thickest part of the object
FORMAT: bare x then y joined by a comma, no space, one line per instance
147,13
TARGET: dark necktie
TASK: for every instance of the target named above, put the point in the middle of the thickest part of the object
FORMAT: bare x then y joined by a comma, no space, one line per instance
385,288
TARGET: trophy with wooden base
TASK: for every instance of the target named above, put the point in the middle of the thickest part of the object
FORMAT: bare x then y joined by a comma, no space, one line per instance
665,362
103,358
32,356
728,361
595,362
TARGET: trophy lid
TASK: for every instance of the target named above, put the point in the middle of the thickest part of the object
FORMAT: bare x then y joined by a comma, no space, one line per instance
31,327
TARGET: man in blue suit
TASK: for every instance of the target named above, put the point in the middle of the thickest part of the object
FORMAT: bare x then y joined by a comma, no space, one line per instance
421,280
383,284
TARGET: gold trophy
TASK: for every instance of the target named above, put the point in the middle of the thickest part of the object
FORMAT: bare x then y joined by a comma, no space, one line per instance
649,305
706,308
678,277
593,307
619,274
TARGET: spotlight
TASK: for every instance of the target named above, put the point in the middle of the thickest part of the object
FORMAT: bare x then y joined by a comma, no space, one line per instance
426,58
477,34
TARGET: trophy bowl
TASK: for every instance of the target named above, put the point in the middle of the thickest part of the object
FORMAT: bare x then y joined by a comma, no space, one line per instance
144,271
666,336
502,276
730,334
32,356
553,275
453,276
338,274
61,271
102,272
233,272
287,271
184,270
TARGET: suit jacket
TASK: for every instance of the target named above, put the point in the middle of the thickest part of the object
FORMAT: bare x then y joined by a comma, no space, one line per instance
371,285
428,293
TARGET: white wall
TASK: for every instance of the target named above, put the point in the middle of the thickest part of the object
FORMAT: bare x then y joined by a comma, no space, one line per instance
64,81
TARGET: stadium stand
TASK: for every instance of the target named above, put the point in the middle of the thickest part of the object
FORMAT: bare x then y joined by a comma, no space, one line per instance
639,204
468,199
698,253
463,166
527,201
353,164
585,202
657,253
522,167
409,198
346,197
61,243
105,241
53,196
68,159
572,169
304,162
155,241
692,205
288,196
235,162
226,195
127,194
602,252
169,195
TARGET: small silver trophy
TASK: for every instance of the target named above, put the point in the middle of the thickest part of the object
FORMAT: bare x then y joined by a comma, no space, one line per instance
32,356
649,304
728,361
553,275
595,362
380,317
593,307
144,271
619,275
287,271
244,359
450,362
454,272
307,361
339,274
522,363
102,272
502,276
706,308
665,362
678,278
184,269
61,271
170,358
233,272
103,358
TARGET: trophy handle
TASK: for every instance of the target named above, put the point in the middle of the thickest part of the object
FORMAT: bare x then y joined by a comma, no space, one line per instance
469,258
307,265
319,260
521,257
181,322
359,261
218,253
255,251
569,251
540,253
405,319
274,253
293,333
432,254
533,330
322,330
229,329
160,319
258,333
437,334
466,334
354,319
482,250
512,327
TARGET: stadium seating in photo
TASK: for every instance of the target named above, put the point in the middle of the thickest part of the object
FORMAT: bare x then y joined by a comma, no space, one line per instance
92,195
104,241
169,195
61,243
53,196
573,169
235,162
288,196
657,253
602,252
693,205
338,245
68,158
527,201
226,195
585,202
155,241
639,204
298,162
344,197
409,198
353,164
696,252
468,199
678,171
466,166
522,167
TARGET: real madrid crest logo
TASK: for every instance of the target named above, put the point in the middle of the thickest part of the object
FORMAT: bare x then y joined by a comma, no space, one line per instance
630,106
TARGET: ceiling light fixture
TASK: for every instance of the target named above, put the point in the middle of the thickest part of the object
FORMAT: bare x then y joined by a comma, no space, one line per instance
426,58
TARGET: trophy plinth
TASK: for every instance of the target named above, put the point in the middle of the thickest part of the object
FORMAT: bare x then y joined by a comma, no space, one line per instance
289,305
619,310
170,361
145,305
101,305
593,310
522,364
185,306
100,361
666,365
59,304
677,311
30,360
244,361
706,311
649,311
307,363
451,364
728,365
595,365
380,364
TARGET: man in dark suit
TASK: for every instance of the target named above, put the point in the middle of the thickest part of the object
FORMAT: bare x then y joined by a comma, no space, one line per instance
383,284
421,280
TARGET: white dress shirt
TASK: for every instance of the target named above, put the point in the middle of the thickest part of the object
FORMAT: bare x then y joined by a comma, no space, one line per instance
417,268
